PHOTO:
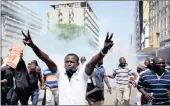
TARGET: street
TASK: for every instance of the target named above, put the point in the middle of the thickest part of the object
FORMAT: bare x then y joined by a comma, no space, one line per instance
109,99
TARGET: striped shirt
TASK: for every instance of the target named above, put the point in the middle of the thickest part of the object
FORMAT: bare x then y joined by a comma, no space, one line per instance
122,75
150,82
51,79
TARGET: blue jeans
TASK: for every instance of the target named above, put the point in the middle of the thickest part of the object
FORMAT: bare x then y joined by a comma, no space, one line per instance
34,97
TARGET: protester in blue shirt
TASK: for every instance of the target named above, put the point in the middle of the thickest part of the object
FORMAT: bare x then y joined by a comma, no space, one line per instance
101,74
156,81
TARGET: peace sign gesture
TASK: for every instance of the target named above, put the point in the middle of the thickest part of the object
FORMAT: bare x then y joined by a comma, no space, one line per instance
27,39
108,43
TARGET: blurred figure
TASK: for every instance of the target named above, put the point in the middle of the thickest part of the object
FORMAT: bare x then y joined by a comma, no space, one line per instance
155,81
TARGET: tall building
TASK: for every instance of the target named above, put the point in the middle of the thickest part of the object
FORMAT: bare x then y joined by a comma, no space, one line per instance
14,19
75,12
156,38
138,24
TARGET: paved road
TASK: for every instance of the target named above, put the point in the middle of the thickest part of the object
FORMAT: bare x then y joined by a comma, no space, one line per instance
109,99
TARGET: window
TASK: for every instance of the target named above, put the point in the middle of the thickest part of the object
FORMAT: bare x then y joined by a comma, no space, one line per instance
56,6
161,25
169,22
76,4
166,22
164,33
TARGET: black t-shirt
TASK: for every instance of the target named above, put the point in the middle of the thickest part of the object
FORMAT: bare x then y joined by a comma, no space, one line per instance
21,75
34,76
7,73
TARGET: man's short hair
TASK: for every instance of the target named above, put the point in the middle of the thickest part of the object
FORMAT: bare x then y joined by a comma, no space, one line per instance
35,62
73,54
156,59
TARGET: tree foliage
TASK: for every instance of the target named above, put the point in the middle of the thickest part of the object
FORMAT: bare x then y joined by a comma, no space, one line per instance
68,31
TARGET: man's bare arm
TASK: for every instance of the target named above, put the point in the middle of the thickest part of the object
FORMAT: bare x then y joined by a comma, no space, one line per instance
43,56
92,63
107,81
135,76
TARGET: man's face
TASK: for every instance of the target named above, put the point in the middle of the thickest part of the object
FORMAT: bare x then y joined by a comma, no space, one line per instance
71,63
33,66
160,65
123,62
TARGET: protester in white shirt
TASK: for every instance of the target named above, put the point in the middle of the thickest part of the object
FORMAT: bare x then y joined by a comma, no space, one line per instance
73,80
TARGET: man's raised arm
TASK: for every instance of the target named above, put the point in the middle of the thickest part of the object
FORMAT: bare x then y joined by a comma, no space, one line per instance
43,56
92,63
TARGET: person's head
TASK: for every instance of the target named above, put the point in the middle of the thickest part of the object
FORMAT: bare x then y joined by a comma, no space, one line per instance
141,67
29,65
83,59
34,65
147,62
159,64
71,62
122,62
100,63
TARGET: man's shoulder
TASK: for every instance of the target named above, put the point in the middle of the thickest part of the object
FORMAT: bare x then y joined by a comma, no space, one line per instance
116,69
146,72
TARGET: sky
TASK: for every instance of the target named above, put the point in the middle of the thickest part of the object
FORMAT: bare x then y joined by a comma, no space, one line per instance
113,16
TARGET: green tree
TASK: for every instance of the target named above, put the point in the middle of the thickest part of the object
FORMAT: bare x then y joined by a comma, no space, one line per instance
67,31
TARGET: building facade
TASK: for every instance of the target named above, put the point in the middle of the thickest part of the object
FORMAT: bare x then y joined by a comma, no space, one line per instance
75,12
14,19
159,22
156,28
138,24
145,29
